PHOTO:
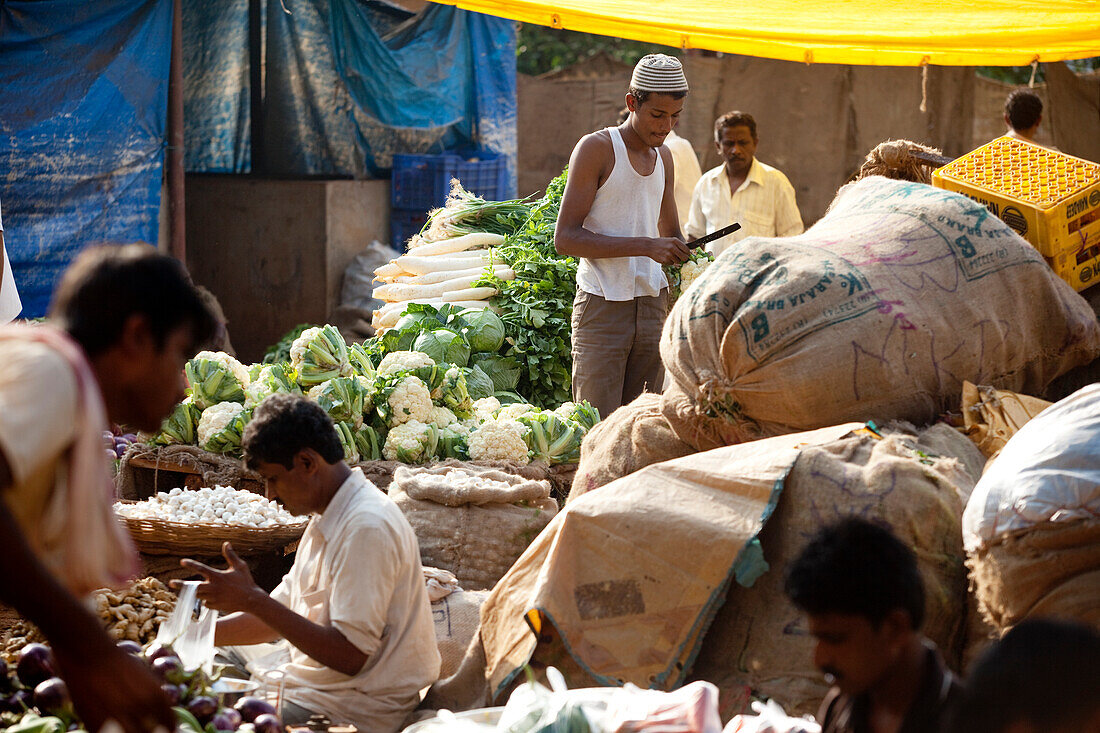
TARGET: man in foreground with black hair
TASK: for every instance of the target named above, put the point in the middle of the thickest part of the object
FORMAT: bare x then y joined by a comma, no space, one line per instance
123,323
1043,676
861,590
353,617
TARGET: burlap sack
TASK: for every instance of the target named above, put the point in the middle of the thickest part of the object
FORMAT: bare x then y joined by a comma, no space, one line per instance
633,437
881,309
992,416
1050,569
456,618
475,533
759,641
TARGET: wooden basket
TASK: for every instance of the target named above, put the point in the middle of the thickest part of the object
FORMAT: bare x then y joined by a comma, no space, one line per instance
162,537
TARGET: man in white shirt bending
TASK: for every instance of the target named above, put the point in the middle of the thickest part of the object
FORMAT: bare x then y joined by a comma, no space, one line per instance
618,216
352,617
742,189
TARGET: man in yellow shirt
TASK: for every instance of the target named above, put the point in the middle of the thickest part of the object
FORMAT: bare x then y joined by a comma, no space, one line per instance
742,189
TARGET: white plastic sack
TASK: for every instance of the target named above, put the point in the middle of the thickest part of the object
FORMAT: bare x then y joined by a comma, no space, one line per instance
357,289
1047,472
770,718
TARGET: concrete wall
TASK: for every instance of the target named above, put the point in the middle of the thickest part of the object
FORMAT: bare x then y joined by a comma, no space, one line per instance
274,252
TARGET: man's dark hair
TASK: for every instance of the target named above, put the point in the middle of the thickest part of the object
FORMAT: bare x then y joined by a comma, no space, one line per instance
856,568
641,96
285,424
107,284
1043,672
733,119
1023,109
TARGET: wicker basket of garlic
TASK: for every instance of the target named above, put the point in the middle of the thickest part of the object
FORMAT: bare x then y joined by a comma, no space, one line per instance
182,521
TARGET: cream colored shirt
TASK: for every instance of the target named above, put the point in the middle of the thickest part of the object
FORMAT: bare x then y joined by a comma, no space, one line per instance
763,204
358,569
38,407
685,167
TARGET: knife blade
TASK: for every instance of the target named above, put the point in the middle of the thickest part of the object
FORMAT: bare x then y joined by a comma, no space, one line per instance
714,236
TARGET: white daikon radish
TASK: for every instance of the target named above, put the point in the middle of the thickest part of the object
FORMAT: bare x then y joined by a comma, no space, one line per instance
395,292
388,270
442,263
502,271
459,244
473,294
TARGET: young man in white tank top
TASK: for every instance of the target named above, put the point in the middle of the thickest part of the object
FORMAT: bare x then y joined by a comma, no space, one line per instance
618,217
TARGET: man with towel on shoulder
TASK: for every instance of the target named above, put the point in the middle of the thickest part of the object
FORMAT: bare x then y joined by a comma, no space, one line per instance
618,217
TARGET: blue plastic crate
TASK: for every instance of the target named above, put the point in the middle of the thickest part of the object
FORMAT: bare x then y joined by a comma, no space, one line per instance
423,181
403,224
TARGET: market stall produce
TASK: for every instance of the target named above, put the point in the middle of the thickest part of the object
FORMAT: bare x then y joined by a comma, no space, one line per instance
501,256
133,613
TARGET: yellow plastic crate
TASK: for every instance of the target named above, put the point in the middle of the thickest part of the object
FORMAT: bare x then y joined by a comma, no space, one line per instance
1051,199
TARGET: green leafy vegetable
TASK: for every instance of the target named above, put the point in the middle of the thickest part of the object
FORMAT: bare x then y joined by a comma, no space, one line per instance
179,427
443,346
478,383
280,351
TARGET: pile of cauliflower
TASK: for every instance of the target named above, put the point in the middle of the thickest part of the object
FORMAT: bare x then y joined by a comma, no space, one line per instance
397,406
219,505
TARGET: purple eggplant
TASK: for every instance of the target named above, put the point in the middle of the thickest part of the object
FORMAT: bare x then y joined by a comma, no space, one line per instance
22,700
203,708
170,668
226,719
130,647
251,708
52,698
35,665
268,723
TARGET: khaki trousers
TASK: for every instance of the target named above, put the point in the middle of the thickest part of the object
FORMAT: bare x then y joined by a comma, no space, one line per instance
616,353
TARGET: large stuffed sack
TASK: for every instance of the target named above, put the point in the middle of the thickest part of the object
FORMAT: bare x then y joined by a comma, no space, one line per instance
473,521
633,437
1032,525
456,618
759,641
882,309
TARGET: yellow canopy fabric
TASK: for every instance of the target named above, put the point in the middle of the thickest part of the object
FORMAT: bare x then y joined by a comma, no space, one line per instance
866,32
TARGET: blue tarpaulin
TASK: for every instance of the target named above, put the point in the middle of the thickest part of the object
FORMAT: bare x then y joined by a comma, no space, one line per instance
216,94
82,130
341,99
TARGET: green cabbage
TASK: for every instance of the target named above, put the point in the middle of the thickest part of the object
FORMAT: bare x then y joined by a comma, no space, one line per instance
503,370
484,330
442,345
478,383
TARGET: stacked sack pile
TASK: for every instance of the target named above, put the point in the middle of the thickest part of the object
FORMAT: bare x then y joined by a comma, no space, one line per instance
1032,526
879,311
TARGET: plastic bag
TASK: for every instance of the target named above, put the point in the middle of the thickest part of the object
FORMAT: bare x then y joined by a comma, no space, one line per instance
770,718
358,286
533,708
691,709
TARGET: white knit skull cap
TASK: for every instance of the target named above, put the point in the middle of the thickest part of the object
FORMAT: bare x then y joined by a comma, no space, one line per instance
659,72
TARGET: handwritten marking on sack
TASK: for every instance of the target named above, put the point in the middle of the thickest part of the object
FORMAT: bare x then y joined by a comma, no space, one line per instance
609,599
837,292
441,614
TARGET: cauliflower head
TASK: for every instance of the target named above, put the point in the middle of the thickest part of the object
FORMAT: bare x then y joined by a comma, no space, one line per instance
300,346
403,361
499,440
237,369
514,410
485,408
441,417
410,442
409,401
216,418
